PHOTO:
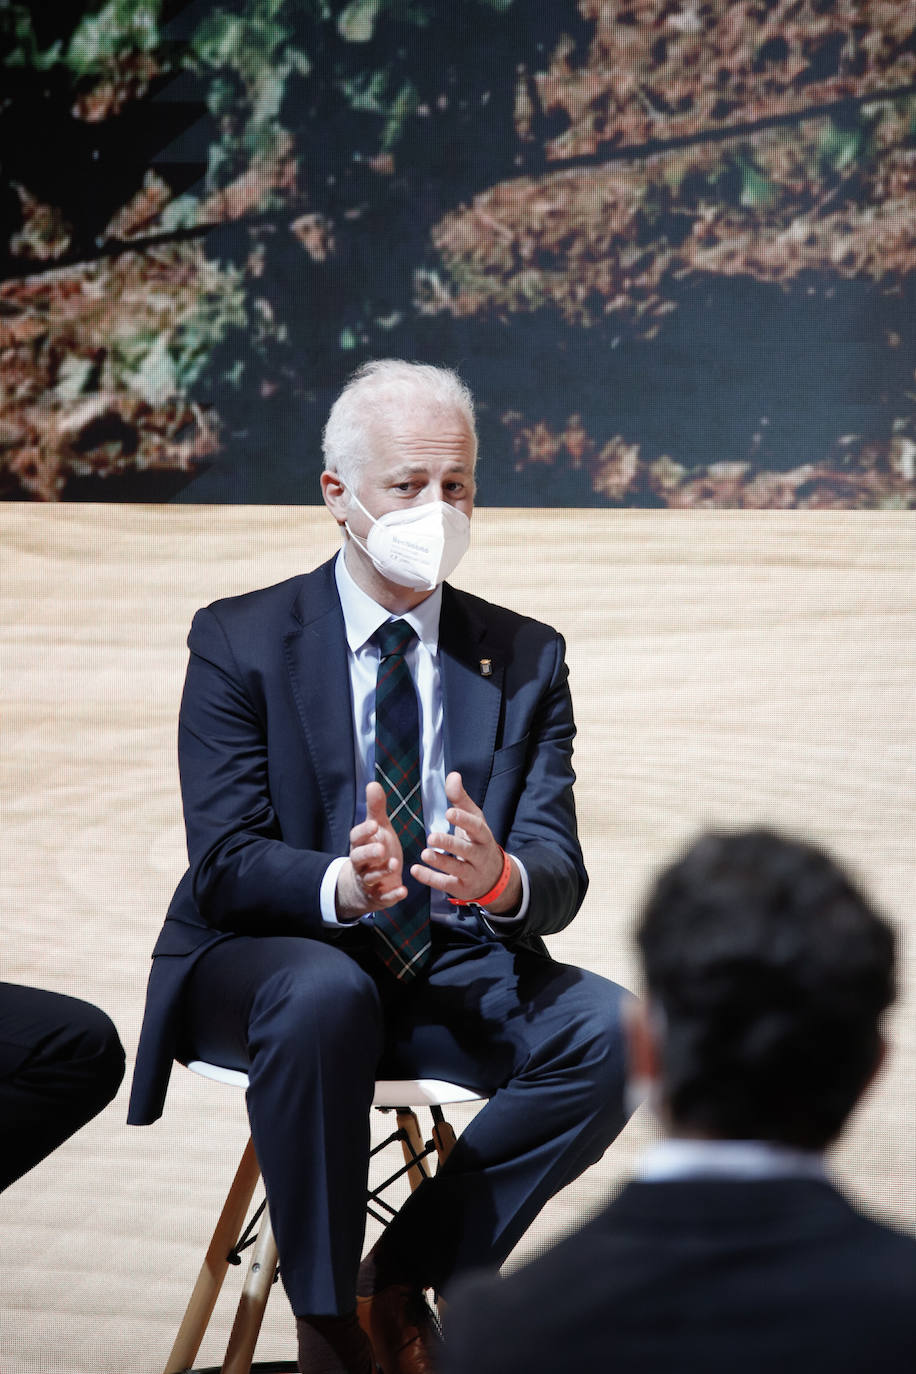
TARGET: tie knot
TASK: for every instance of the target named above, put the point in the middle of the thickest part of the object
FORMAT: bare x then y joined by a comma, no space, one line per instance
394,637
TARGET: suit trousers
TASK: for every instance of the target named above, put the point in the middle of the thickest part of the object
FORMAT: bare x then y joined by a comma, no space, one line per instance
315,1022
61,1062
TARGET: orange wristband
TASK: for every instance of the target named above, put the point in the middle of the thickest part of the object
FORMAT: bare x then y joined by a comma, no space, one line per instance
498,888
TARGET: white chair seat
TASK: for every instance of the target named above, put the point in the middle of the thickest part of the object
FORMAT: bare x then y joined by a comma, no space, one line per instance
389,1092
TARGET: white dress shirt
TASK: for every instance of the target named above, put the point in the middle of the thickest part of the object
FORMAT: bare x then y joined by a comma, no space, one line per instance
362,617
679,1158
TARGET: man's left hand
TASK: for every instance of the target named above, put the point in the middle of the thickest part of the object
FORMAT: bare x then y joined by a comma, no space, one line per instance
466,864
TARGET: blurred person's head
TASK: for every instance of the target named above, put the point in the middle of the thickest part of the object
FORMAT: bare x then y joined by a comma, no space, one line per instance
767,972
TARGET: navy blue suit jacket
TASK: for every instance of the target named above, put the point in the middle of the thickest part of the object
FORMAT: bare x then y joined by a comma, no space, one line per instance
266,756
701,1276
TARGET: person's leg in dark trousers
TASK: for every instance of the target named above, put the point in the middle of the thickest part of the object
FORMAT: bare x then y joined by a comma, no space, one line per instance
545,1041
314,1026
305,1022
61,1062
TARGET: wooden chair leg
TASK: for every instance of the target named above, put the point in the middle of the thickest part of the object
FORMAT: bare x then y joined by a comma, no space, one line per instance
413,1145
255,1292
443,1136
213,1271
444,1141
263,1266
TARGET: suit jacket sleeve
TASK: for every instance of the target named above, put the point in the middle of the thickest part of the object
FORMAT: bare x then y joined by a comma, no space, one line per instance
543,831
245,875
529,794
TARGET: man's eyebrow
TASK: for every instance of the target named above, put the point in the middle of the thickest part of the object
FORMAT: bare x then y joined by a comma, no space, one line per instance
406,470
421,469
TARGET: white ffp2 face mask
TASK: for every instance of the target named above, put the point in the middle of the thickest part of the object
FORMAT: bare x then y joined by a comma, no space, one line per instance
417,547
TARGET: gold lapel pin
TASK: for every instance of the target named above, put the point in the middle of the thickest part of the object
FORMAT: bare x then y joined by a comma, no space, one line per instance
486,667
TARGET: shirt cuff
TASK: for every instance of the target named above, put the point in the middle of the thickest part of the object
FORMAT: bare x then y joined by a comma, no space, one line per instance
503,925
327,895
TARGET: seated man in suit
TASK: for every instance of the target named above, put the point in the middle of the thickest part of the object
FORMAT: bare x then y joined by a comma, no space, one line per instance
767,973
61,1062
377,783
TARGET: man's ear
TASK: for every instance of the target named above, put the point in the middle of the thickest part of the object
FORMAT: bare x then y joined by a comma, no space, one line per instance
335,496
643,1050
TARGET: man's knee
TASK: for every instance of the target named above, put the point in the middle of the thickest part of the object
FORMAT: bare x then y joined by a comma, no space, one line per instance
598,1037
79,1056
106,1054
101,1053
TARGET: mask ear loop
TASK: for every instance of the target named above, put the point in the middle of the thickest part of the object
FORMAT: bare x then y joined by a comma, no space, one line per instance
366,513
355,537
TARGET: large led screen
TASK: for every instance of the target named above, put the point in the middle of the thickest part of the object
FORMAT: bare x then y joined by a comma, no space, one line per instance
670,244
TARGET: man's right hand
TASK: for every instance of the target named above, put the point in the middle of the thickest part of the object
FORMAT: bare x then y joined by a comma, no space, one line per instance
371,877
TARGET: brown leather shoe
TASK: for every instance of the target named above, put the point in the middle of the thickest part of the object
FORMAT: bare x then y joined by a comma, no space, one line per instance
402,1328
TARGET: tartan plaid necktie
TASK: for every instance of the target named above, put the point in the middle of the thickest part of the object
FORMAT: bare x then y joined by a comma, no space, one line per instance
402,931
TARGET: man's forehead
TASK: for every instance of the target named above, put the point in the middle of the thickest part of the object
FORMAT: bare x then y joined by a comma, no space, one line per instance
421,424
417,451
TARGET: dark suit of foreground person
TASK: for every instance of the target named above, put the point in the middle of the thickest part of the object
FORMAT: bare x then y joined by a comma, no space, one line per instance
268,960
732,1251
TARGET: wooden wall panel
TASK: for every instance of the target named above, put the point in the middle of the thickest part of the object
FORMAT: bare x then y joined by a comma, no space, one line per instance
727,668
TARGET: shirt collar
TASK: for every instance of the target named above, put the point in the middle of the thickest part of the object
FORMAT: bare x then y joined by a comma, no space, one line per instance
677,1158
363,616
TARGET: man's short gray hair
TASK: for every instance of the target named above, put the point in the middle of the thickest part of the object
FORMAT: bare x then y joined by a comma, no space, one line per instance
379,390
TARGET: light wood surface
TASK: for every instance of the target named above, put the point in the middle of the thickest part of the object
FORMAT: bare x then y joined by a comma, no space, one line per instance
727,668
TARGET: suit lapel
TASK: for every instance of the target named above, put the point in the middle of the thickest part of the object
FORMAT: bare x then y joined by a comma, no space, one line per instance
316,655
315,648
471,701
